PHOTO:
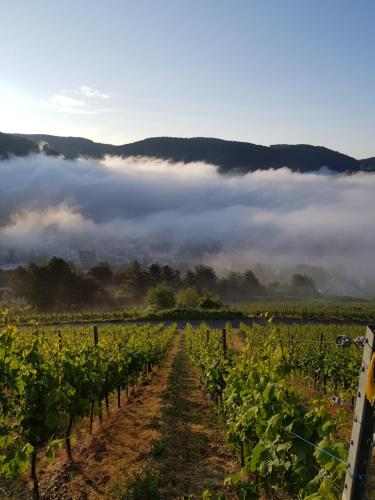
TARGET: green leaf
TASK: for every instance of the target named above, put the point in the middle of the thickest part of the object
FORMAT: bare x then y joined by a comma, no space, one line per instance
268,393
329,426
52,420
256,456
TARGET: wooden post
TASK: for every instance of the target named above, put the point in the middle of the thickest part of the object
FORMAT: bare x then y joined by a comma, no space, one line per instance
207,336
224,332
91,415
34,476
321,342
362,430
96,336
242,454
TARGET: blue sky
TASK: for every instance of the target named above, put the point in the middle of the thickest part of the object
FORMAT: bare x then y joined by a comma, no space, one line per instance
263,71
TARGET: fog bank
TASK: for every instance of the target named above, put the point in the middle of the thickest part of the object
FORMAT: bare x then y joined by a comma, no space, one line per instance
272,216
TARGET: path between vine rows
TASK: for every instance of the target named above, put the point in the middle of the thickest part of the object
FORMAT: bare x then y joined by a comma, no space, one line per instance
167,427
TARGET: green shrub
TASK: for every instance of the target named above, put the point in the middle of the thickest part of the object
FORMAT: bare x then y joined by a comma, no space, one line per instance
161,297
187,297
209,300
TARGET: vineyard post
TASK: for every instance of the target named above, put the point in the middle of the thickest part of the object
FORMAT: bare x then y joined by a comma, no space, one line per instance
321,342
96,336
96,339
361,442
207,336
224,332
34,476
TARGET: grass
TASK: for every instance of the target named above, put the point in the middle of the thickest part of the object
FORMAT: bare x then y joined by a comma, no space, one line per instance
143,486
189,454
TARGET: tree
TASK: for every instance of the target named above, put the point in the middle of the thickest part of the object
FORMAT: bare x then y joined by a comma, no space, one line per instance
303,285
161,297
187,297
209,300
154,272
53,284
85,290
251,283
102,273
170,276
240,286
190,279
205,277
20,283
134,281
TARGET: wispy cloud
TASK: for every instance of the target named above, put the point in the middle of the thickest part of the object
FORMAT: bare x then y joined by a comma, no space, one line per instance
93,93
86,100
63,101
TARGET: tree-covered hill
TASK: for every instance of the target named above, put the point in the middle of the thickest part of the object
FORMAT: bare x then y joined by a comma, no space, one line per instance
229,156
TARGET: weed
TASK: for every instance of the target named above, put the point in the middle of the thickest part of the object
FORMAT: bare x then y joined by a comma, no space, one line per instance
143,486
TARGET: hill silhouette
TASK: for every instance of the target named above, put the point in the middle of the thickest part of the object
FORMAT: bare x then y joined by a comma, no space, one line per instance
229,156
16,145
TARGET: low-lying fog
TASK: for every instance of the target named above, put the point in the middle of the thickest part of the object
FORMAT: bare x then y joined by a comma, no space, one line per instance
273,216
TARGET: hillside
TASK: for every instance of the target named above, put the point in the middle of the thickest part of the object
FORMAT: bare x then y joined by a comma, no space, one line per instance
368,164
229,156
72,147
15,145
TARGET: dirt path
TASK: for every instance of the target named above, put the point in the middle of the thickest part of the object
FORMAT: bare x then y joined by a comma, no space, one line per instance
191,454
163,443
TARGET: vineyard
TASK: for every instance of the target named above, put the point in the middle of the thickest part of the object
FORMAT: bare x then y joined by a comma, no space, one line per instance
282,399
48,382
287,438
313,310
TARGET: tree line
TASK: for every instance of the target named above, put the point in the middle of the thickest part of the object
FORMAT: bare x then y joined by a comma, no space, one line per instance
57,284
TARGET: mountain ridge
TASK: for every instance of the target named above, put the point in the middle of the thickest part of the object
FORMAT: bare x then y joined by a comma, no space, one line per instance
229,156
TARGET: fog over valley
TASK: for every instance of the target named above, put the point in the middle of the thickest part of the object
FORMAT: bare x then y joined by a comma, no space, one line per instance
150,209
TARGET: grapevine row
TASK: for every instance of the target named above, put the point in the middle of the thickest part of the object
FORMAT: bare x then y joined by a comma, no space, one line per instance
46,384
284,447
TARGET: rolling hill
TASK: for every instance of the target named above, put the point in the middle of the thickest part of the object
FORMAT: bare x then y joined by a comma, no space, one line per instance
229,156
16,145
